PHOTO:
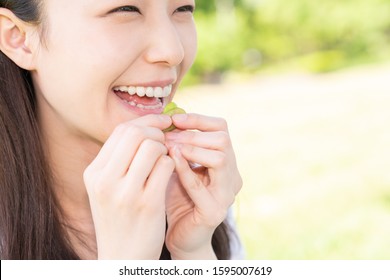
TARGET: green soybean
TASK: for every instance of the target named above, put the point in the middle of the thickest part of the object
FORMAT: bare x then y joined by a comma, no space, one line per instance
170,110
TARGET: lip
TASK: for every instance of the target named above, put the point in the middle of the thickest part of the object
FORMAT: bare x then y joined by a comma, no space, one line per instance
161,83
164,100
136,110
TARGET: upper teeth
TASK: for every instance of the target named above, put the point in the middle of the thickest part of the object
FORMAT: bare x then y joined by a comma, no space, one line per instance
146,91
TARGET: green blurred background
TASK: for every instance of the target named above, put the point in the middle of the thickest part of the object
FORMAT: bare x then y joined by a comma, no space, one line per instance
319,36
304,85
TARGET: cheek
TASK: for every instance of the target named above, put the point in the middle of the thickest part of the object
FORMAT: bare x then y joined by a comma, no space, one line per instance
190,44
193,46
80,47
85,65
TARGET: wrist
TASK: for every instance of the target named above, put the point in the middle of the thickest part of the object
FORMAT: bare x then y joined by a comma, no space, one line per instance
202,253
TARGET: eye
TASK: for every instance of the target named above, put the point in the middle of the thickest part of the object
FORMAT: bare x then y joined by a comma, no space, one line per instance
186,9
126,9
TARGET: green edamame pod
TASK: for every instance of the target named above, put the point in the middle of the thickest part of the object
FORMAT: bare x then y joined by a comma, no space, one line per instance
170,110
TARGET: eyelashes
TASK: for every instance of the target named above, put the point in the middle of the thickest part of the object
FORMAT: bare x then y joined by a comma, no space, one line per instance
125,9
134,9
187,8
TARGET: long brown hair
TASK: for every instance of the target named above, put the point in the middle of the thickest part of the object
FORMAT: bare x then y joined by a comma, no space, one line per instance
30,216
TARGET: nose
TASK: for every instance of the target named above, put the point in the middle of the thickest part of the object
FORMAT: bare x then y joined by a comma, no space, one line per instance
165,45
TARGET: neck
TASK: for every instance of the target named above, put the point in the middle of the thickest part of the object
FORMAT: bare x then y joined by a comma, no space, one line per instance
68,157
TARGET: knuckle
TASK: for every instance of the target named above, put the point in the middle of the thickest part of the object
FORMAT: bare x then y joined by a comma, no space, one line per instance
134,131
149,144
96,182
194,185
224,139
167,162
148,206
194,117
91,178
189,135
129,130
87,174
188,149
222,123
153,147
98,190
124,200
220,159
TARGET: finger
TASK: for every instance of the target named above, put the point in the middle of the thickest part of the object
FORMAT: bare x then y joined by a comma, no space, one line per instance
157,121
144,161
153,120
159,177
125,150
222,170
105,152
199,122
205,157
217,196
219,140
190,181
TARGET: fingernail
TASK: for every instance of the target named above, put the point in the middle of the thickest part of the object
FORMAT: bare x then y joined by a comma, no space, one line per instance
164,118
179,117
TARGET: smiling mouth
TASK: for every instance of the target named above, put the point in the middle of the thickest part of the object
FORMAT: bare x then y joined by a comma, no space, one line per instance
145,98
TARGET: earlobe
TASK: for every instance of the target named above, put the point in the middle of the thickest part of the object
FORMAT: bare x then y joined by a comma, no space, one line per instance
13,39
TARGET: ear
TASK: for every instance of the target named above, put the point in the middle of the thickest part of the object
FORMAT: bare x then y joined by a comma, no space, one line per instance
16,39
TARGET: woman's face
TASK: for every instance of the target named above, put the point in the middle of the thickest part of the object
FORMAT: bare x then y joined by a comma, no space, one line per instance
104,62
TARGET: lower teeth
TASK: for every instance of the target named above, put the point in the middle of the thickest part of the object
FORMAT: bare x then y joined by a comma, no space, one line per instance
147,107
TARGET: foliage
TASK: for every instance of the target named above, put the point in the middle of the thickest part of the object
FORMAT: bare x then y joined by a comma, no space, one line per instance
319,36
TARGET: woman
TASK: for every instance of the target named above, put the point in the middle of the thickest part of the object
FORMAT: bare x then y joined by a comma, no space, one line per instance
86,171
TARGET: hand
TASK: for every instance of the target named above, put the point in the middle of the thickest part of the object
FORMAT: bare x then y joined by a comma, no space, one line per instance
126,185
198,198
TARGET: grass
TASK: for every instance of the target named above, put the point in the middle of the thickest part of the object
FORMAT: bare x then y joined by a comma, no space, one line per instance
315,158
